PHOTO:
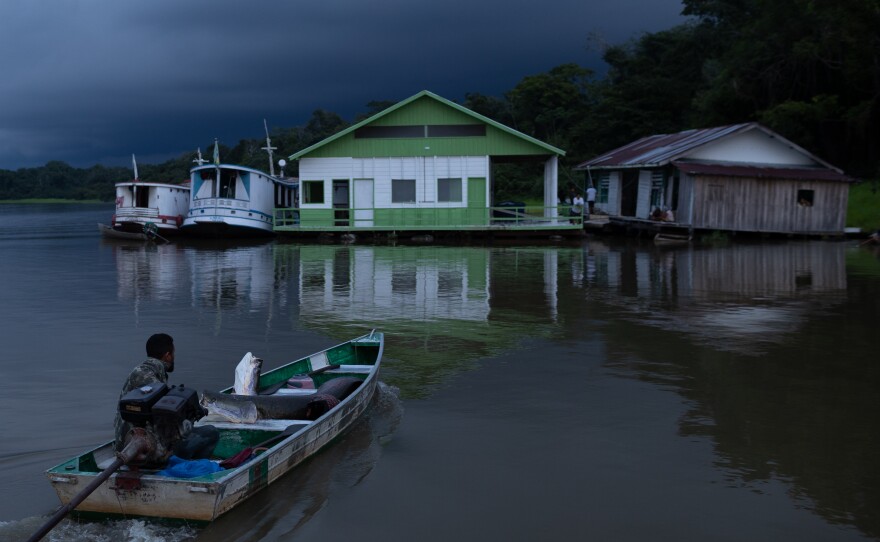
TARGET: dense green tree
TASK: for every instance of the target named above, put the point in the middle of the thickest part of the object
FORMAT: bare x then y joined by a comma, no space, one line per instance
493,107
807,68
549,105
649,88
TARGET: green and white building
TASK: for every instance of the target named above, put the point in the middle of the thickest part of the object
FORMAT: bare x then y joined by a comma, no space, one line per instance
422,165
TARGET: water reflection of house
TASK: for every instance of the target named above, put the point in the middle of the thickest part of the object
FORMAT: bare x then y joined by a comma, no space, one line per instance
742,177
731,298
375,284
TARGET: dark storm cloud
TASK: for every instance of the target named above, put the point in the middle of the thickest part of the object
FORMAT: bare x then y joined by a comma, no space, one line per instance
92,82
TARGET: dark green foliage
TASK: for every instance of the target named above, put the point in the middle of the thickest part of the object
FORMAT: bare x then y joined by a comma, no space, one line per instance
806,68
59,180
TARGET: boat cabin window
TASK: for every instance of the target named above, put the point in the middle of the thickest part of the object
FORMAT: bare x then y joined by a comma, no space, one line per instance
142,197
206,190
227,184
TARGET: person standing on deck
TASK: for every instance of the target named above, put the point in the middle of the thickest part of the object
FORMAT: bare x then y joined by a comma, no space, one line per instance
591,198
200,442
577,205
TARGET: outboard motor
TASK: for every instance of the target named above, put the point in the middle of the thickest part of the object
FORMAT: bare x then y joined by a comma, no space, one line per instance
161,415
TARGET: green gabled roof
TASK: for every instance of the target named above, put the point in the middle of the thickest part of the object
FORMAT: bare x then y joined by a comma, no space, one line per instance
426,94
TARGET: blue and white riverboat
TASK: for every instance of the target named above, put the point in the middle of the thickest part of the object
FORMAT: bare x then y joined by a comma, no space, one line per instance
231,200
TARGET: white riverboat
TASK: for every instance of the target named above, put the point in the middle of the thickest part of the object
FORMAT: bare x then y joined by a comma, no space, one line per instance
140,203
232,200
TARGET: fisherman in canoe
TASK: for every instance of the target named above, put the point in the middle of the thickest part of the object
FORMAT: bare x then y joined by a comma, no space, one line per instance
193,443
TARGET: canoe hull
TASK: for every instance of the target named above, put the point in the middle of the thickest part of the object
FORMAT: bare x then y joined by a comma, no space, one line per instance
204,499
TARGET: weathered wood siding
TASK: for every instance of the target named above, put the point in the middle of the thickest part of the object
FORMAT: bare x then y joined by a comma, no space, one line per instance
768,205
685,212
643,205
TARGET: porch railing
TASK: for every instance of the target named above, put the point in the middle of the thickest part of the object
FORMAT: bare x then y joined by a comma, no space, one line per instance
417,218
137,212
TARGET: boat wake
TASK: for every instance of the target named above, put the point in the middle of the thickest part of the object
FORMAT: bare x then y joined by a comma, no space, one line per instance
70,530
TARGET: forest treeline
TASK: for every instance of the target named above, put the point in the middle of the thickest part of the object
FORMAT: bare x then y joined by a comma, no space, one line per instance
808,69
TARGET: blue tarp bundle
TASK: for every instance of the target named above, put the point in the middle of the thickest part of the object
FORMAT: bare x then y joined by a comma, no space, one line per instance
188,468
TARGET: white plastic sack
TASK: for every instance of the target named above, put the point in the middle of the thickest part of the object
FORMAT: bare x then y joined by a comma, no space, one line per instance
247,375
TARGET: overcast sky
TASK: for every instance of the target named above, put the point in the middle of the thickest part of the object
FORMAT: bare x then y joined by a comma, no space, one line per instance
95,81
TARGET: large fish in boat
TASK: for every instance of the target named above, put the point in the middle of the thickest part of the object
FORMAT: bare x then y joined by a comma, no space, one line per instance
285,407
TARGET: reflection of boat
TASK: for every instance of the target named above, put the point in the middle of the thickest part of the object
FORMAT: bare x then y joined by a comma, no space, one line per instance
149,233
143,204
204,498
231,200
671,239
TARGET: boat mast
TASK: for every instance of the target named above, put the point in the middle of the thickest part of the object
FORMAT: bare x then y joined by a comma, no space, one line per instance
199,161
134,166
269,148
216,188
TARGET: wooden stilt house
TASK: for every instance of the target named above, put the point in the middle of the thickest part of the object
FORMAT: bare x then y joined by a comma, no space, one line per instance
742,177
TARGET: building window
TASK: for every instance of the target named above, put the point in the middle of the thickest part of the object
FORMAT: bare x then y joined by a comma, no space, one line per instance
313,192
448,190
602,188
389,132
805,198
420,131
658,182
403,190
456,130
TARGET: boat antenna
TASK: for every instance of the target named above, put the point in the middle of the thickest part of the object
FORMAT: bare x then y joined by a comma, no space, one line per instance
216,152
199,160
269,148
134,165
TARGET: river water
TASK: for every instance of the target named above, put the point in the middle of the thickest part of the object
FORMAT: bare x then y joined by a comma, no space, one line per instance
606,390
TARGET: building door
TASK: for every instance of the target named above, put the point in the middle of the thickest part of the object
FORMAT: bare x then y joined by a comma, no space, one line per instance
629,192
478,213
363,203
340,202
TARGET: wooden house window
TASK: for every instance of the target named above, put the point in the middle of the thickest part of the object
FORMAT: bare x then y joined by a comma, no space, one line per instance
449,190
603,187
658,183
403,190
805,198
313,191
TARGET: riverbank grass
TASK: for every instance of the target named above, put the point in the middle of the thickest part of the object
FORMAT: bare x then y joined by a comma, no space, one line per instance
863,210
50,200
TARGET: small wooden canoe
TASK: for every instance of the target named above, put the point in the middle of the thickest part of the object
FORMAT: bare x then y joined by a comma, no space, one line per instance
111,233
206,497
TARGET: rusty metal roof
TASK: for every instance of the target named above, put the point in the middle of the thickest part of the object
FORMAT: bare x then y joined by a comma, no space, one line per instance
660,150
761,172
